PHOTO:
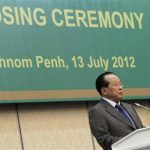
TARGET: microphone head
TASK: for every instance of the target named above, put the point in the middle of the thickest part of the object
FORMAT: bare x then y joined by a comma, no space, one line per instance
137,104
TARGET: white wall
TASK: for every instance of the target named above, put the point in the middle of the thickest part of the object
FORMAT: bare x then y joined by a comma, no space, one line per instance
50,126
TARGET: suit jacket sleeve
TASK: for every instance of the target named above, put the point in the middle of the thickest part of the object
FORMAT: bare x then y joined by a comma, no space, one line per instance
100,129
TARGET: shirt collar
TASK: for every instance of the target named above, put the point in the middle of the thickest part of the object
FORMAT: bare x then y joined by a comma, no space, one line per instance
111,102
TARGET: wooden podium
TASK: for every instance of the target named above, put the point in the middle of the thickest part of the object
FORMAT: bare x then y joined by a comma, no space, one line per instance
137,140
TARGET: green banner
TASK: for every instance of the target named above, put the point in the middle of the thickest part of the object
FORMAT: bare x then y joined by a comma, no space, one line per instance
53,50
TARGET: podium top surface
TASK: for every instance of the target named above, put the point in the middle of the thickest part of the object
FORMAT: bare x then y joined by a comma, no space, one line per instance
135,140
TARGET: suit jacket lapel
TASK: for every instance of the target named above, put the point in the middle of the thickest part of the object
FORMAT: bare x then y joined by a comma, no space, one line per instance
113,111
131,113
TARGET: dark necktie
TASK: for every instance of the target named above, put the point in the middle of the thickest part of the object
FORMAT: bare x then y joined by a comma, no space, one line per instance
125,114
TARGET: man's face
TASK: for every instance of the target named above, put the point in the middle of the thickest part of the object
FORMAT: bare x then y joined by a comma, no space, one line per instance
114,91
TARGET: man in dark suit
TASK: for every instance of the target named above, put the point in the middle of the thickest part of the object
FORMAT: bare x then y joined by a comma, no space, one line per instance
110,119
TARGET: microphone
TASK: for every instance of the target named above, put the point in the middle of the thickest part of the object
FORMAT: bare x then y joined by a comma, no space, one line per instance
139,105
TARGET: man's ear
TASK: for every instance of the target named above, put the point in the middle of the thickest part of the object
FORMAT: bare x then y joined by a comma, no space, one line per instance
104,91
